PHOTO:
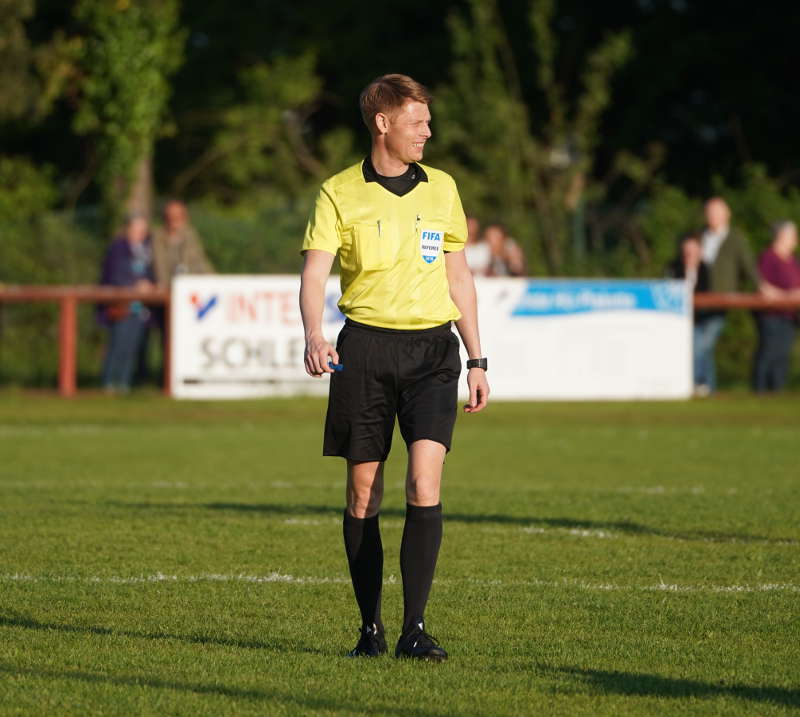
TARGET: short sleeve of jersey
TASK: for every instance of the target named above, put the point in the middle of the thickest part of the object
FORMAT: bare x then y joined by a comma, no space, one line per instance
324,228
456,235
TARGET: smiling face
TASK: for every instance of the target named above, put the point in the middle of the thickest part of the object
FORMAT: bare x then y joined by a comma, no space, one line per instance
405,131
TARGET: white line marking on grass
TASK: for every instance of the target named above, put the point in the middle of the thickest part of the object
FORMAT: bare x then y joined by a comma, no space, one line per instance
273,577
577,532
311,521
663,490
277,577
11,431
608,534
658,587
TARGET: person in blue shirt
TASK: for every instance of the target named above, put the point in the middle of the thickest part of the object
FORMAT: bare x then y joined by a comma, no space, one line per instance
128,263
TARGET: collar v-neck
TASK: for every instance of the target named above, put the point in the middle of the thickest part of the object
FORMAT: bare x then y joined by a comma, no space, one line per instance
400,185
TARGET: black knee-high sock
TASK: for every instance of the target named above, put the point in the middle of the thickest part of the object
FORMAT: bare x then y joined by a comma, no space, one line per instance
362,542
422,536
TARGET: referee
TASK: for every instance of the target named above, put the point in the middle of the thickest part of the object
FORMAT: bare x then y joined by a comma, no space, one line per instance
399,231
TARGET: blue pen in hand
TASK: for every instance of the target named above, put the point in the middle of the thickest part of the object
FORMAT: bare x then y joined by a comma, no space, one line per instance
336,366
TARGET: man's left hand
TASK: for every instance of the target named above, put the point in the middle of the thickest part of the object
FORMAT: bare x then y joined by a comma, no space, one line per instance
478,390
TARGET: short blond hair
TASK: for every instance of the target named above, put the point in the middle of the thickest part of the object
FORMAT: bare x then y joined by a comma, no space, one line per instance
388,93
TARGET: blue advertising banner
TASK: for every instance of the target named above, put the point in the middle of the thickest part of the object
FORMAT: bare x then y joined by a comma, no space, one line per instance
559,297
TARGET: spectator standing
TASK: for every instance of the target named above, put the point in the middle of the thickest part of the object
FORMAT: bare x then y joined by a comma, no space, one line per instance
730,264
476,250
689,265
779,267
128,263
177,248
507,258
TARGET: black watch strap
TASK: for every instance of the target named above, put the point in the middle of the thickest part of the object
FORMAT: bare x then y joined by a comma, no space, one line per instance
478,363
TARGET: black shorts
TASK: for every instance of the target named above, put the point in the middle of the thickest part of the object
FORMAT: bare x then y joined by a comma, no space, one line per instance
412,375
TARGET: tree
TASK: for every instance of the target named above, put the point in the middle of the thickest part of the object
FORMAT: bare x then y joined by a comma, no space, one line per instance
132,47
16,54
263,139
534,171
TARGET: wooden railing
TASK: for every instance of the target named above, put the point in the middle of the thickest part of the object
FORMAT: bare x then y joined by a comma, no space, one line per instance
68,297
744,301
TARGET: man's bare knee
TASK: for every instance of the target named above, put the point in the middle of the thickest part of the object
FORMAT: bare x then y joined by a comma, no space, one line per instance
364,488
423,490
424,475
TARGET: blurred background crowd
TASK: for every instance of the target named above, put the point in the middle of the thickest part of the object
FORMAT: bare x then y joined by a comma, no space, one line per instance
585,139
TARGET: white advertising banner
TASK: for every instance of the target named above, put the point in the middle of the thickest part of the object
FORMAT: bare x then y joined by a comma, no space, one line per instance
241,336
586,339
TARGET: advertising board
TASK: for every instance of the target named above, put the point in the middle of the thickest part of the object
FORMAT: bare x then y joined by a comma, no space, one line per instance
241,336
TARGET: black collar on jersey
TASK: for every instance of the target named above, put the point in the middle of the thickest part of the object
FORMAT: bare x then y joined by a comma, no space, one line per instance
396,185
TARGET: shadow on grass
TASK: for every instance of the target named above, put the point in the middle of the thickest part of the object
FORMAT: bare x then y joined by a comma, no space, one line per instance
624,527
303,701
644,685
272,645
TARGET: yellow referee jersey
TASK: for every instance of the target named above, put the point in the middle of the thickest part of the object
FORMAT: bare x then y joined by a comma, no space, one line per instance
391,248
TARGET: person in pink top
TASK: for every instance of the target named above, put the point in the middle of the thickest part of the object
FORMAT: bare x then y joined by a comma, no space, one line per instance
778,266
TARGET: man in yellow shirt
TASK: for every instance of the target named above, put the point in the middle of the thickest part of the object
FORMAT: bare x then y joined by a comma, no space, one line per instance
399,231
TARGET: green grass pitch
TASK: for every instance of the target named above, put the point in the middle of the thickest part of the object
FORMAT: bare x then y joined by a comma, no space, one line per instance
599,559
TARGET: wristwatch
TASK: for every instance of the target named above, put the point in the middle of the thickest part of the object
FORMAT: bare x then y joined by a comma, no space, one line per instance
478,363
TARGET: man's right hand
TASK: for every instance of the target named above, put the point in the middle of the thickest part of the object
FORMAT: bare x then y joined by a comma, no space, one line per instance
318,353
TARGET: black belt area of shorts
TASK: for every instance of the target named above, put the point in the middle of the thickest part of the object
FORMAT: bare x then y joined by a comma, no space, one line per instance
440,329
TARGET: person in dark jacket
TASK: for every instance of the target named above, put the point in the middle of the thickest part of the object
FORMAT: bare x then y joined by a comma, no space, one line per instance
127,263
730,267
778,266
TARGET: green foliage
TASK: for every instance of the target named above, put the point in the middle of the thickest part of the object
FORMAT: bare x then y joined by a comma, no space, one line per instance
34,75
666,215
16,55
758,201
262,140
25,190
39,246
481,128
132,48
254,239
535,171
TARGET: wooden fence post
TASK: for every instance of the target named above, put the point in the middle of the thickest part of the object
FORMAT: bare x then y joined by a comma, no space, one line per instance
67,346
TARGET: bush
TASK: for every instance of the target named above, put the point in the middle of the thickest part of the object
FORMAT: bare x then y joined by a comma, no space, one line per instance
253,239
39,246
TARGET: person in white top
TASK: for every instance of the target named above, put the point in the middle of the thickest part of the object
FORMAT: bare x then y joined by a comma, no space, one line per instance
476,250
507,258
718,226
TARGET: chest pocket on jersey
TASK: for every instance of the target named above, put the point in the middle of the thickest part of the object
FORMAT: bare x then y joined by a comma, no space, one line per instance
372,246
